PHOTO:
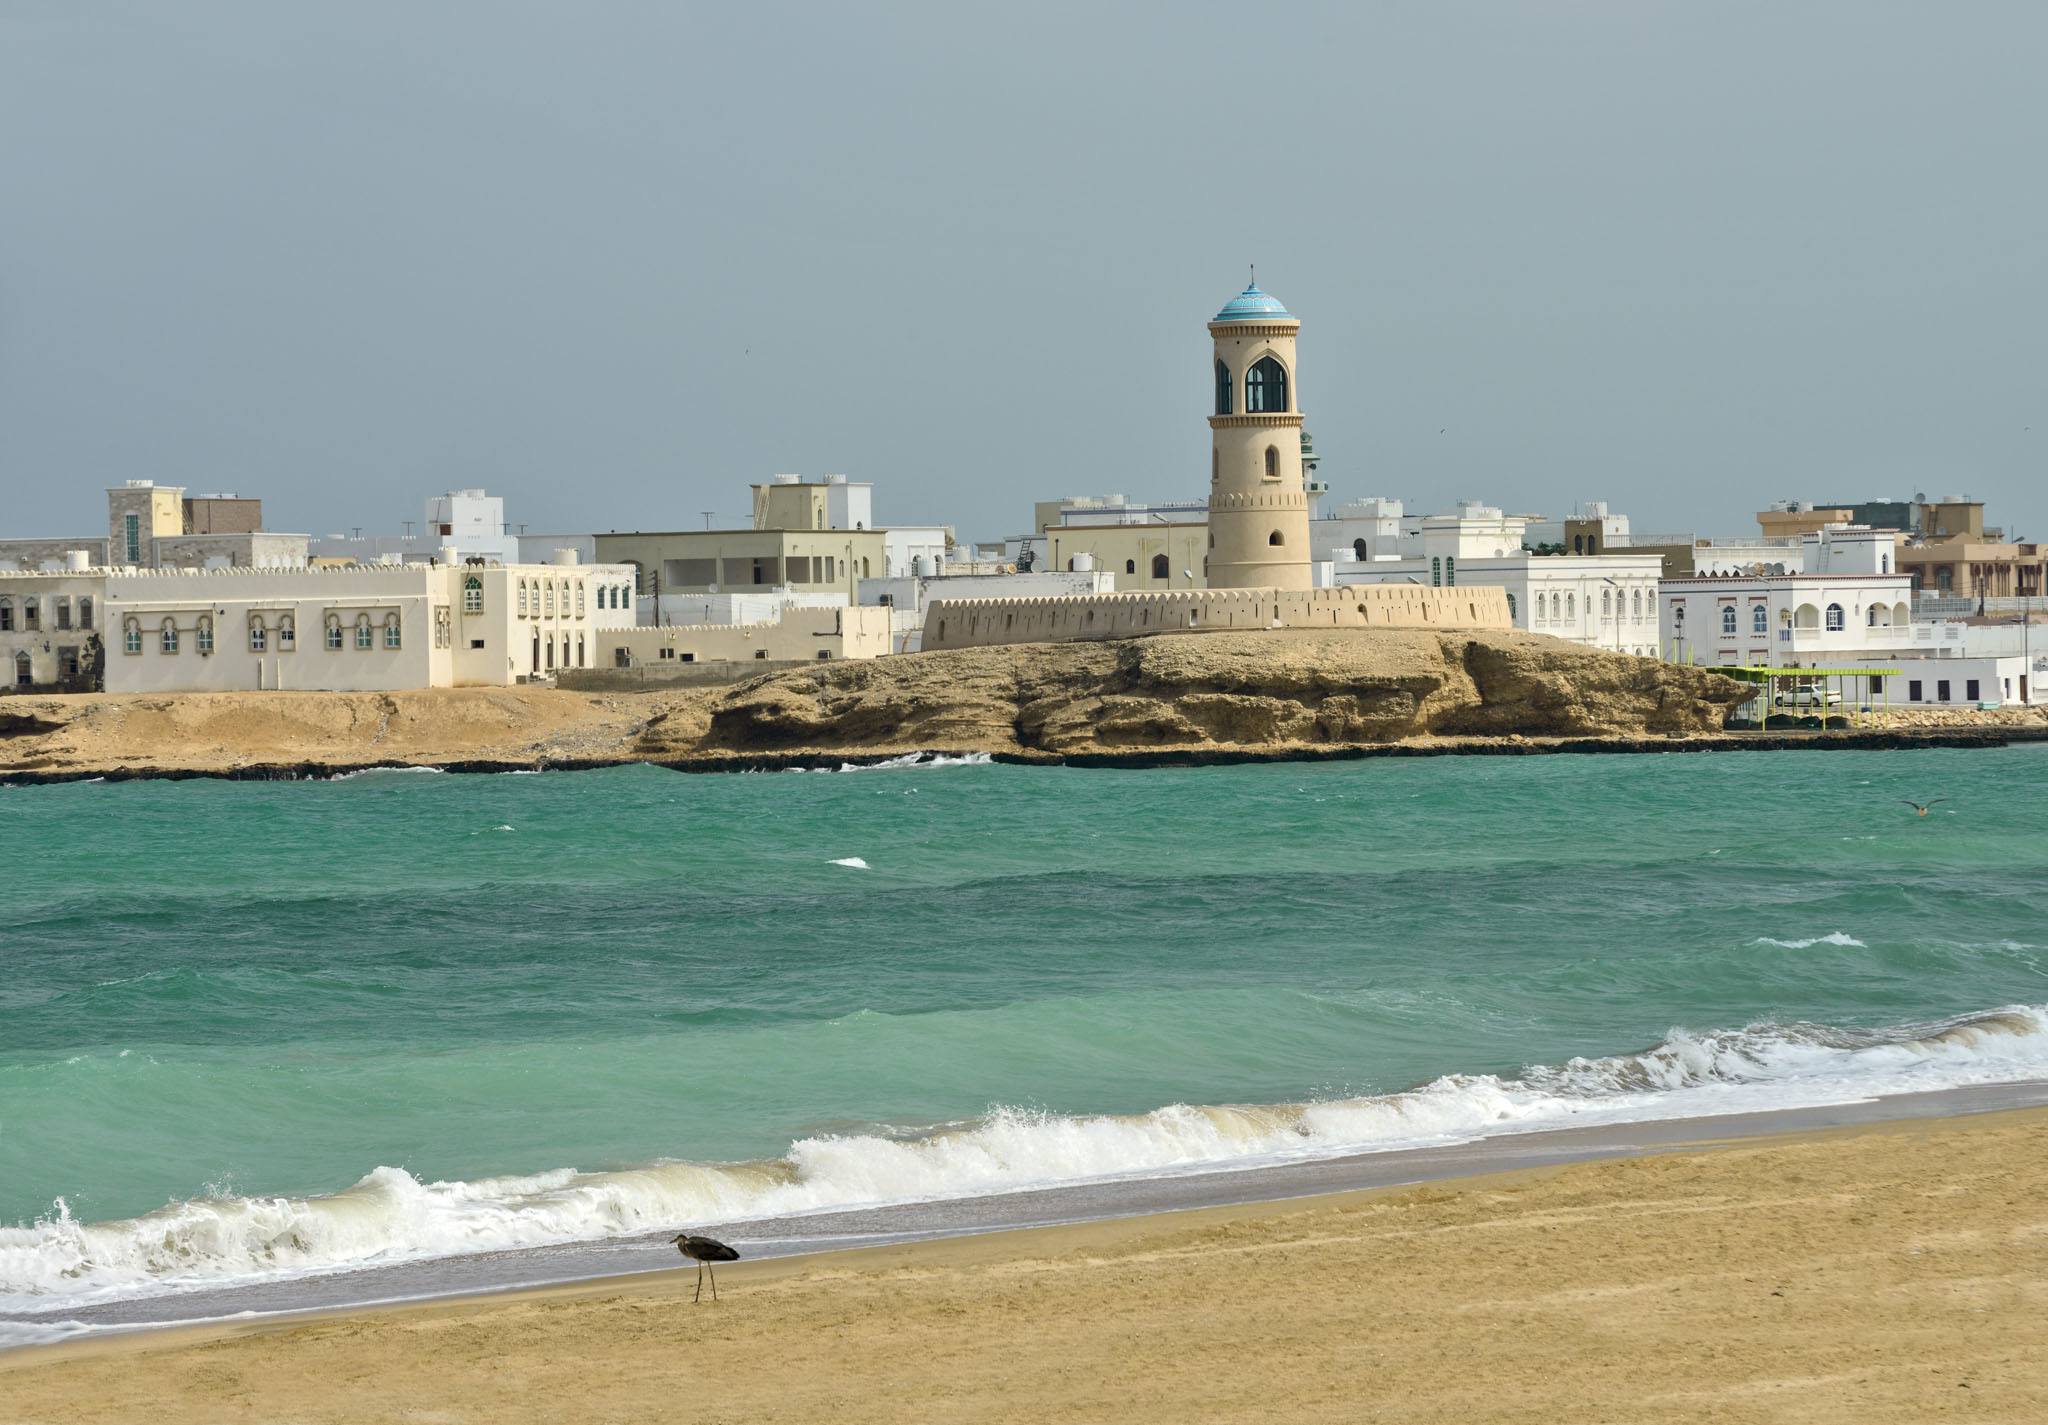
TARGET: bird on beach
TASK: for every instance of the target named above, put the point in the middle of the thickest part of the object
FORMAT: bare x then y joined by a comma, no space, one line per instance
1922,810
704,1251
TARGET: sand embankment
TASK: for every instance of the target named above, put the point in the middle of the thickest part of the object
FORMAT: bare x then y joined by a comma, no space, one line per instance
1257,692
1889,1274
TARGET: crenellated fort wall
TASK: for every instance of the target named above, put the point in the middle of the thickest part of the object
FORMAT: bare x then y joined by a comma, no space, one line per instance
977,623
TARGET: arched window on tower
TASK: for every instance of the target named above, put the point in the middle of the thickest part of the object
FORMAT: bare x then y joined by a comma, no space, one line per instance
1265,386
1358,549
1272,462
1161,567
1223,391
1130,566
1274,538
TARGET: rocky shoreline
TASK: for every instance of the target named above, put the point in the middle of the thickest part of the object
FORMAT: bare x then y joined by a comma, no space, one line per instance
1178,700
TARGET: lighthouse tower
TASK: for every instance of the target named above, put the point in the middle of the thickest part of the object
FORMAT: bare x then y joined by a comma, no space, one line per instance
1258,505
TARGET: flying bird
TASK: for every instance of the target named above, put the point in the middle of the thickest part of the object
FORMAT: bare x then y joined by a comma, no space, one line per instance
1922,810
704,1251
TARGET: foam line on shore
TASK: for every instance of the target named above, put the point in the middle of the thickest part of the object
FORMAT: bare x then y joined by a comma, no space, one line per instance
388,1216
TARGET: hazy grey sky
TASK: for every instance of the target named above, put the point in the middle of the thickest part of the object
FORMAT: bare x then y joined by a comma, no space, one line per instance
617,260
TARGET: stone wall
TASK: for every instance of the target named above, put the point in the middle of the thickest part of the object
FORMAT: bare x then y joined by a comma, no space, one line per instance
976,623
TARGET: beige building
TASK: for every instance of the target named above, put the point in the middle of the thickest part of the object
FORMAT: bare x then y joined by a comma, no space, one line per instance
715,561
1258,504
1137,556
974,623
152,526
799,635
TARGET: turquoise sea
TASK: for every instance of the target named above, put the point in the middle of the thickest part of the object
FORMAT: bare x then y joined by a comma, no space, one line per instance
255,1029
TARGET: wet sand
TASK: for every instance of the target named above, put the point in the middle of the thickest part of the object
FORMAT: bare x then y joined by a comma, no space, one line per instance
1888,1272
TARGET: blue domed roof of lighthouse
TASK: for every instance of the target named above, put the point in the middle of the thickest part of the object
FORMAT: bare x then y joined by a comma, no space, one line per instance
1252,305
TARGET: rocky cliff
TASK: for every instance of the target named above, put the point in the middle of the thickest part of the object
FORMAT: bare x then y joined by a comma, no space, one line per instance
1265,690
1266,693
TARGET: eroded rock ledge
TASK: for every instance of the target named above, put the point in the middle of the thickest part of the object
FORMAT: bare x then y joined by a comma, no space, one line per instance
1171,697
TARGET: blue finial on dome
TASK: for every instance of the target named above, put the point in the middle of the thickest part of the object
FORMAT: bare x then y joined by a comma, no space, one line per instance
1252,305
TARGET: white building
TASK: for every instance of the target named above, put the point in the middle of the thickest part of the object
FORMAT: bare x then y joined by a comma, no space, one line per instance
359,628
1366,530
471,521
1602,601
50,628
1851,608
732,609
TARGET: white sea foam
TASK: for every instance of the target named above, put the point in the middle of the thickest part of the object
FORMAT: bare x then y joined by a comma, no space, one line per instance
361,772
1833,937
853,861
909,759
58,1263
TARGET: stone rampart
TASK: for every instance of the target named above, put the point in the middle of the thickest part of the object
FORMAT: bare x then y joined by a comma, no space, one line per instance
978,623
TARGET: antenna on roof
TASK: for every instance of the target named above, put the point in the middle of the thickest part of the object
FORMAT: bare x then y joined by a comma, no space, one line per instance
1255,274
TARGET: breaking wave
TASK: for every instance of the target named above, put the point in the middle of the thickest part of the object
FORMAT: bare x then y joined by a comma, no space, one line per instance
909,759
1834,937
390,1216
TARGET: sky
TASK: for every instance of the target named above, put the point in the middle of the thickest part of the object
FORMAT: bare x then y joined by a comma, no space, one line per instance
616,261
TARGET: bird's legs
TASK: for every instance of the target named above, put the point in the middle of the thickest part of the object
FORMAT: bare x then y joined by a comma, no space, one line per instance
700,1283
714,1281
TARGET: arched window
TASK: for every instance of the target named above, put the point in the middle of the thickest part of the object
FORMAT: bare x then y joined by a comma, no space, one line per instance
472,595
1436,572
1635,605
1759,620
1223,391
1728,619
1835,618
1272,462
131,636
1578,544
392,636
1162,568
6,614
579,650
1265,386
1130,566
365,638
1556,607
203,637
259,636
522,598
85,611
579,601
565,613
1511,605
1358,549
1274,538
864,566
334,633
548,599
1215,465
1571,605
1450,571
287,634
1606,608
1806,616
1871,620
24,671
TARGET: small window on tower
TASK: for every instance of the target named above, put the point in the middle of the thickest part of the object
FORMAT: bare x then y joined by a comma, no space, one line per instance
1223,391
1272,462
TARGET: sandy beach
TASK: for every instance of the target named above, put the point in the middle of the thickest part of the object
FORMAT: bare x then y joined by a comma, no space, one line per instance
1892,1273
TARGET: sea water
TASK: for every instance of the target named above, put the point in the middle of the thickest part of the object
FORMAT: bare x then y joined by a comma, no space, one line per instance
253,1030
